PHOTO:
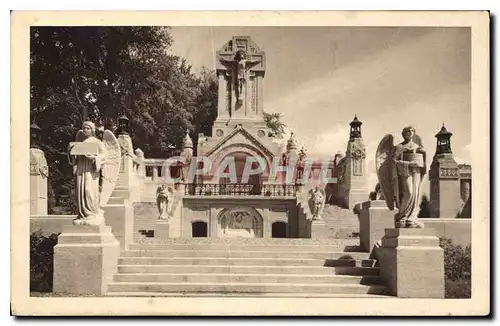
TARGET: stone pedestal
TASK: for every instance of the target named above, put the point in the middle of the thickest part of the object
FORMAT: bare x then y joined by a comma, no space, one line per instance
318,229
120,217
374,218
412,263
85,260
162,229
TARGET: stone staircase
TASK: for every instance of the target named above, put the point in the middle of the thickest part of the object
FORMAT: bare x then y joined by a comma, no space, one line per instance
246,267
342,223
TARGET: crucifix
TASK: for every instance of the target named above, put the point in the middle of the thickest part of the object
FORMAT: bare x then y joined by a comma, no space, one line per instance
240,66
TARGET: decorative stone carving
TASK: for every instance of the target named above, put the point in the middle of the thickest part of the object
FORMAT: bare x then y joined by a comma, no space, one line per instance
400,169
88,168
358,152
240,65
219,133
38,163
164,200
316,203
240,222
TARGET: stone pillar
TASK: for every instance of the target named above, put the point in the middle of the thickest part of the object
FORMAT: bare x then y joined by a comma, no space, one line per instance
445,187
85,260
162,229
119,215
319,229
39,172
140,174
125,182
374,218
412,263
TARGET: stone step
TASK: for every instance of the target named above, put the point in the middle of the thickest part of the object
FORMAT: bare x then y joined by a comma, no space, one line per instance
249,294
306,270
200,287
245,278
244,254
245,242
244,261
116,201
250,247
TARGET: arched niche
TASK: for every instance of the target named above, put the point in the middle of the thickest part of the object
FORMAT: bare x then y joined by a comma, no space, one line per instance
244,222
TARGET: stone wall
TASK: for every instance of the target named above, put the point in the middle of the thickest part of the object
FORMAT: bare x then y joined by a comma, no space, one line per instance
267,211
457,229
49,224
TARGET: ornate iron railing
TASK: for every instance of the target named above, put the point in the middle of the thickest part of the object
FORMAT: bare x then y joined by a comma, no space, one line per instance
236,189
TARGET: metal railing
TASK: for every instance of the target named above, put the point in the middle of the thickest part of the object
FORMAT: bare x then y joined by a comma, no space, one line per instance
274,190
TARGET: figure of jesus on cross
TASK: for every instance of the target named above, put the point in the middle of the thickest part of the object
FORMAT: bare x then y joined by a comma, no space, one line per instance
240,65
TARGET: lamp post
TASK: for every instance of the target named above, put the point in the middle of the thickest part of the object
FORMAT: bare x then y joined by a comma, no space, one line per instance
123,125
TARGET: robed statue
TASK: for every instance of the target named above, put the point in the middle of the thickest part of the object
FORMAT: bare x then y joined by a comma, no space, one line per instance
400,170
95,163
240,65
316,201
164,199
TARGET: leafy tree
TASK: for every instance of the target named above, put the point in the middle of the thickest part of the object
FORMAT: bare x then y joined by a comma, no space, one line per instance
275,124
100,73
425,210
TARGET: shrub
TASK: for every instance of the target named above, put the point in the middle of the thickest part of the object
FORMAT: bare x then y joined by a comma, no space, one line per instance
457,268
41,261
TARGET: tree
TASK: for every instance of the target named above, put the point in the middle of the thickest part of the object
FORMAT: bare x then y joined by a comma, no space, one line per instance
274,123
100,73
424,207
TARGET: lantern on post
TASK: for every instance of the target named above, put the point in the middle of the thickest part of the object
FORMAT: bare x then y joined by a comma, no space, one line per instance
123,125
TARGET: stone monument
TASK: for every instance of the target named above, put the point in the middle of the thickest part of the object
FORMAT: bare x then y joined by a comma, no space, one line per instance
411,260
86,255
444,177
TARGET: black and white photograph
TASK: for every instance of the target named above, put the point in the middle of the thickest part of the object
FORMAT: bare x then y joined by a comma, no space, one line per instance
325,163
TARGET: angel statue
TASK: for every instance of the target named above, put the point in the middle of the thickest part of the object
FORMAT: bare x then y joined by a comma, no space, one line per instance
240,65
400,170
164,197
316,202
92,158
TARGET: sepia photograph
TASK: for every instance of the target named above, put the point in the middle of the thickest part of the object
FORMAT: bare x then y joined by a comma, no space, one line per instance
291,164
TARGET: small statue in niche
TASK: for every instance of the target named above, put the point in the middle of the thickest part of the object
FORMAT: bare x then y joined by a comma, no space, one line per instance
317,198
240,65
400,170
164,198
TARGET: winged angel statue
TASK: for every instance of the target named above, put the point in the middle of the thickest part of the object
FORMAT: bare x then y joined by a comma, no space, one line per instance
400,170
316,202
89,167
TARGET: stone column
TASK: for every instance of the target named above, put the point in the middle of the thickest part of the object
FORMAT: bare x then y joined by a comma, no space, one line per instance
39,172
85,260
125,181
412,263
374,218
319,229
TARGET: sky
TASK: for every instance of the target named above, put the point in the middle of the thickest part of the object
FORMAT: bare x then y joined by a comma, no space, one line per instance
390,77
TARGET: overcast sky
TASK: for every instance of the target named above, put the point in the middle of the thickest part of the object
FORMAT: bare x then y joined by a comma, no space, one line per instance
319,77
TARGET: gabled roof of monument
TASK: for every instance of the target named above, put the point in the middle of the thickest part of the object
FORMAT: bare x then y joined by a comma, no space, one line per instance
240,130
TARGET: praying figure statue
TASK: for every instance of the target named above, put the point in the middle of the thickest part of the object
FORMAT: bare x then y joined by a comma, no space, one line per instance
316,202
400,170
240,65
164,198
92,158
